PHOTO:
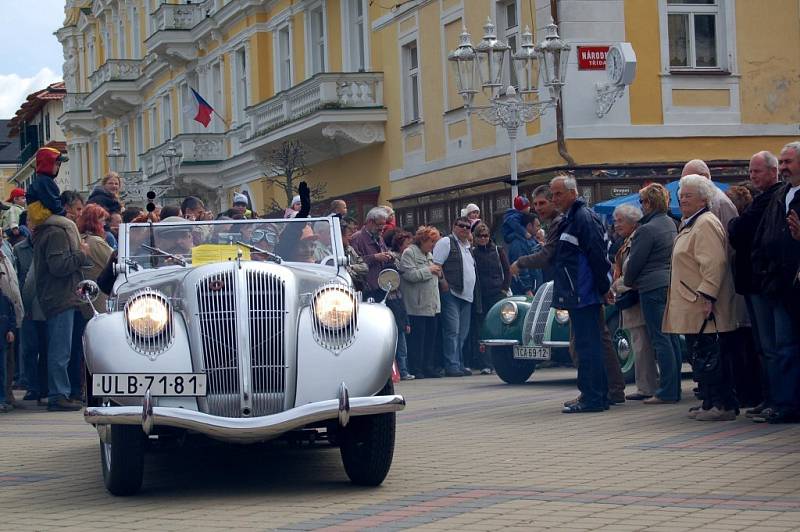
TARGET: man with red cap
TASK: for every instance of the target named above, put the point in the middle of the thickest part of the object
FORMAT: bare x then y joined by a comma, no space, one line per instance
43,194
16,202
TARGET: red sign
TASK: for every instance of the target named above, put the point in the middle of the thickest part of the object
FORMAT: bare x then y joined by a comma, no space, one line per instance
592,57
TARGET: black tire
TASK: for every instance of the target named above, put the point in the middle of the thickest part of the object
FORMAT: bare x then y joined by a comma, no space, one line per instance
510,370
122,458
367,445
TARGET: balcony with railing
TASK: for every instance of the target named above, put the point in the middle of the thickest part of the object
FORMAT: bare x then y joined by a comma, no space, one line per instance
193,149
346,106
172,40
77,117
115,87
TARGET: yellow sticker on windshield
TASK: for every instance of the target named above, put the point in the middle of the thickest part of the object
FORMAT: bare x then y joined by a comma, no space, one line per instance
213,253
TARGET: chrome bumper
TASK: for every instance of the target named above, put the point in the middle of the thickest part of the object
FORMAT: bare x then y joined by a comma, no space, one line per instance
242,429
499,343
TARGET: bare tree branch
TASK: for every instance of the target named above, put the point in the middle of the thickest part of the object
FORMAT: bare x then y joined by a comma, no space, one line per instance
285,167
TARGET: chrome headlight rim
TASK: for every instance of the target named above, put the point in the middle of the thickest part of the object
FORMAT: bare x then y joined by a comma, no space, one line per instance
323,298
562,316
509,311
163,321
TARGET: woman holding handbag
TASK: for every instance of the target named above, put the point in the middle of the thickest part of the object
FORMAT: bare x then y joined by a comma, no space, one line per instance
700,299
626,221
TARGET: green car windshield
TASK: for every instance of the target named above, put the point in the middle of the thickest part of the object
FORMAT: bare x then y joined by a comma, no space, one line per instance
197,243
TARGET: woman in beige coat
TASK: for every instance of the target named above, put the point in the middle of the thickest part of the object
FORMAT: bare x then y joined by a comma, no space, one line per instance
701,293
626,220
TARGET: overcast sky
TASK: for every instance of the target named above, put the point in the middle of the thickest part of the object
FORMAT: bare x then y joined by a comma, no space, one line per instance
31,55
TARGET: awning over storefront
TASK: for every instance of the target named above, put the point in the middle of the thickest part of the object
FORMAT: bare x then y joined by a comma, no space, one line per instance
606,208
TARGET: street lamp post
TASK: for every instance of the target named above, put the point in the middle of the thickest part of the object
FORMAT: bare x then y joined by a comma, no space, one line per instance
116,157
483,64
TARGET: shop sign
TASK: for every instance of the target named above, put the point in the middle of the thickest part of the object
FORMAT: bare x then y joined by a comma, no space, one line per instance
592,57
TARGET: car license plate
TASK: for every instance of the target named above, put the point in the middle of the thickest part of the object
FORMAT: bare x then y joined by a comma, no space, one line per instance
531,353
159,384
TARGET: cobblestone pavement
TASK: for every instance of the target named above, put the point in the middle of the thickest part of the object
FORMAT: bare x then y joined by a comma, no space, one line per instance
472,454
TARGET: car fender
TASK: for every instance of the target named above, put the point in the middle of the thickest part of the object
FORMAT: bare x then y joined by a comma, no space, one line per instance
364,366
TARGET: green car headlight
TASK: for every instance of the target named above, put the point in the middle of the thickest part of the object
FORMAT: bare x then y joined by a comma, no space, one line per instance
562,316
508,312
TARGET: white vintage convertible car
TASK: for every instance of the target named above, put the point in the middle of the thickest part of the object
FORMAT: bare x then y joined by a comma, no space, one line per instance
242,331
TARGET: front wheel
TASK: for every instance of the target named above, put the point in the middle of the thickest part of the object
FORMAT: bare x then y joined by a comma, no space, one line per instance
509,369
122,458
367,445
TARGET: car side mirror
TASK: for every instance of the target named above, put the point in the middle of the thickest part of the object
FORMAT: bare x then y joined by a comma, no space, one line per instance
88,291
388,280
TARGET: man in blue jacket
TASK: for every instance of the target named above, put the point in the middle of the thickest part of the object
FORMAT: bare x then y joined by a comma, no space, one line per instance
581,280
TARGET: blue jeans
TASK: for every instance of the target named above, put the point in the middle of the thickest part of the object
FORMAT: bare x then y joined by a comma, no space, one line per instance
59,346
76,355
29,353
666,346
2,372
456,314
592,378
780,342
401,354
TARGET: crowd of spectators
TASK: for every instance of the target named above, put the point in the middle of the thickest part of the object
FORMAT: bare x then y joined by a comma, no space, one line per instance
724,278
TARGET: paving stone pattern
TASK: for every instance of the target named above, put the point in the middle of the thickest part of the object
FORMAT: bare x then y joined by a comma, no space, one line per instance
472,454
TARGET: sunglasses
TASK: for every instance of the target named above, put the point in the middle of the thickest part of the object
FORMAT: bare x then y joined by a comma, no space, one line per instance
481,236
463,226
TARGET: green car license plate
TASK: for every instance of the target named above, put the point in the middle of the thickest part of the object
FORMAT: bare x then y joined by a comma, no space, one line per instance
531,353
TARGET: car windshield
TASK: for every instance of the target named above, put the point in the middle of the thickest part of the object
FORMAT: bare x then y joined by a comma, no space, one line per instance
198,243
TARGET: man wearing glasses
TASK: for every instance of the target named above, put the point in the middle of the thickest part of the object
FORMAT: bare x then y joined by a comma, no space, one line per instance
457,290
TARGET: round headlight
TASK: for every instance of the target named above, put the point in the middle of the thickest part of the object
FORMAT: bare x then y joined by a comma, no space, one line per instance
334,308
148,315
562,316
508,312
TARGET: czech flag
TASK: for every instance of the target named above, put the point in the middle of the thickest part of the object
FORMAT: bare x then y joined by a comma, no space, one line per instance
204,110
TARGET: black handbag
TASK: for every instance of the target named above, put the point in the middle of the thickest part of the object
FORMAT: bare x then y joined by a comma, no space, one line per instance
627,299
705,355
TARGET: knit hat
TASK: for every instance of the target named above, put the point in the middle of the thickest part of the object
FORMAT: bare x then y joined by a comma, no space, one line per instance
239,198
296,199
521,203
468,209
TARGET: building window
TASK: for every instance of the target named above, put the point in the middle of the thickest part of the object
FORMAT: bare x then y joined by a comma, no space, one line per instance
153,127
241,86
124,144
96,160
694,39
47,127
284,70
508,31
136,51
90,57
216,103
121,40
139,147
315,29
355,35
166,118
411,82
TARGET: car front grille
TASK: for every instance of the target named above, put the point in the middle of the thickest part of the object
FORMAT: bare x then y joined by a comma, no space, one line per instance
536,319
245,377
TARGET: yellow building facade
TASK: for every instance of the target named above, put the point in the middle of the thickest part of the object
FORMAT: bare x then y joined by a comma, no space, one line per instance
365,88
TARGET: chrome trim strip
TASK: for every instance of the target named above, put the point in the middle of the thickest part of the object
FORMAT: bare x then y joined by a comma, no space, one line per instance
241,308
499,343
244,429
548,343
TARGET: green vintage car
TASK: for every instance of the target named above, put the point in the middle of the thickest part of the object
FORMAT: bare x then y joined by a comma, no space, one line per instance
519,333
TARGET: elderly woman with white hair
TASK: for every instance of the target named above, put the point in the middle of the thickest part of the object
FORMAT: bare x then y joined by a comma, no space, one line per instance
626,222
700,299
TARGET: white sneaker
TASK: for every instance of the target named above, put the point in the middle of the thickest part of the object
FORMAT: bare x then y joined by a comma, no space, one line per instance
715,414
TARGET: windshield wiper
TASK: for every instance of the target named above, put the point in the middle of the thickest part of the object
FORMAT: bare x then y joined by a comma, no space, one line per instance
269,255
163,253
